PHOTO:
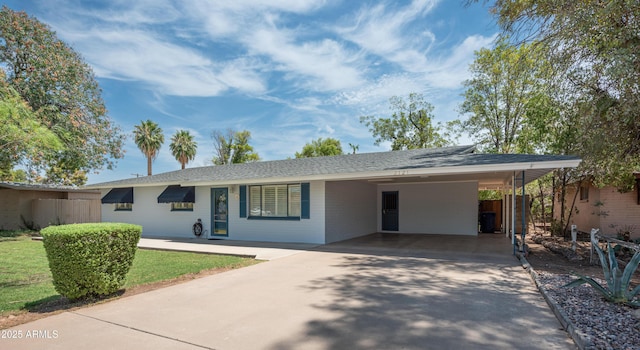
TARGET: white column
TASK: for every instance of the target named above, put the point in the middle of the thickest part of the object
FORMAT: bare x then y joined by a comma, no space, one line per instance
505,209
513,209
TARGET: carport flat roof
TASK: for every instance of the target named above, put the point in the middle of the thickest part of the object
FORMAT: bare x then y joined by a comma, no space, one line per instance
457,163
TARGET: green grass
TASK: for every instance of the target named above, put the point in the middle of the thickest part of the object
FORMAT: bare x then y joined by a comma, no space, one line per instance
25,279
24,273
155,265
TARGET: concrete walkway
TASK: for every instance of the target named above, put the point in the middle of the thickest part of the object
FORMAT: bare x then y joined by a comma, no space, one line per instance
338,296
256,250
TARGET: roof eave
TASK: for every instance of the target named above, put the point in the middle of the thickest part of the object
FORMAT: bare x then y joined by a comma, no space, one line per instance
451,170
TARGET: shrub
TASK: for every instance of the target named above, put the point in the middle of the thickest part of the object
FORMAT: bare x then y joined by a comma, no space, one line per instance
90,259
618,286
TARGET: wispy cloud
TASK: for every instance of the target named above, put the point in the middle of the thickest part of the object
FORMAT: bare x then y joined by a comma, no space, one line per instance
388,32
227,18
450,71
122,47
321,66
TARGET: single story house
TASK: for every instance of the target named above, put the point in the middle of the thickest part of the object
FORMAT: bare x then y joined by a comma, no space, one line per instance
323,199
604,208
25,205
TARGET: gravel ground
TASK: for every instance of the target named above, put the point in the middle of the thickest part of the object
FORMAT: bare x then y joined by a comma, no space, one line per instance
608,325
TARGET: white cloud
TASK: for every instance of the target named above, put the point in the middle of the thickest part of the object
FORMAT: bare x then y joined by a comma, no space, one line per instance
450,71
118,44
243,74
323,62
383,31
380,90
225,18
136,55
177,50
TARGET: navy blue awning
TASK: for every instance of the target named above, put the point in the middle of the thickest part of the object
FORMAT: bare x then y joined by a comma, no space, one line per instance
178,194
119,195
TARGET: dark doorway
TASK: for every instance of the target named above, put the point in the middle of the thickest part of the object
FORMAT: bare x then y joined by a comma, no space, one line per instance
390,211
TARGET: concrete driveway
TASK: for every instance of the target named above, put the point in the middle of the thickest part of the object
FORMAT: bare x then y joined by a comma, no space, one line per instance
341,296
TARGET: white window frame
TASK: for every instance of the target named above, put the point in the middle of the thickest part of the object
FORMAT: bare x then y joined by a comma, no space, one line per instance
181,206
291,202
123,207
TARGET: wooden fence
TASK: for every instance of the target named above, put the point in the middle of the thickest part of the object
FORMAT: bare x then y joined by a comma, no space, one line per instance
65,211
595,240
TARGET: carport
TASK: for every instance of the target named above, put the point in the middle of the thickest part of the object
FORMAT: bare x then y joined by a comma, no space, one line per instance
438,196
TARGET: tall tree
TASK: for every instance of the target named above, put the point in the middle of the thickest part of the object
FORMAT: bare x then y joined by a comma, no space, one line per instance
183,147
593,46
23,138
321,147
64,96
233,147
410,126
504,81
149,138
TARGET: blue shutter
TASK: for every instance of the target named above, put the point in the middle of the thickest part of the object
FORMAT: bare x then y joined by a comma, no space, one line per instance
304,201
243,201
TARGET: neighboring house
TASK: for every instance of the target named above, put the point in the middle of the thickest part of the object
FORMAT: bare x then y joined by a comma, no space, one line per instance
604,208
25,205
323,199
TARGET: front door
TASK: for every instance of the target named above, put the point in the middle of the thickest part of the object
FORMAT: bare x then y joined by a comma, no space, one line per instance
219,215
390,211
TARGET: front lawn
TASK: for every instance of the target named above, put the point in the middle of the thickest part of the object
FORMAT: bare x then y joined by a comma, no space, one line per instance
25,279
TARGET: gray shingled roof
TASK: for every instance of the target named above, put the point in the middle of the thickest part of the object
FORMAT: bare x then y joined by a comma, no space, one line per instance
334,166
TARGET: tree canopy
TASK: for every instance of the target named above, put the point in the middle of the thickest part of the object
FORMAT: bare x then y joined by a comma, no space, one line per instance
149,138
183,147
22,135
504,81
593,46
61,90
410,125
321,147
233,147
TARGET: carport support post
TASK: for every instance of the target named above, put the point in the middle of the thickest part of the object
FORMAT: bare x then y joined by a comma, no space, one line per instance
506,223
513,212
506,226
524,218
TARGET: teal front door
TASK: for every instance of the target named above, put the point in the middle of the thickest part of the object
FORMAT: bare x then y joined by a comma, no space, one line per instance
219,214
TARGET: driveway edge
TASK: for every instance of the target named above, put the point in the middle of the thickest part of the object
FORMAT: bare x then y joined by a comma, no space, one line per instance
579,338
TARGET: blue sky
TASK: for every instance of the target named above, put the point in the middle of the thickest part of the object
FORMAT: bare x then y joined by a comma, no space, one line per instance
289,71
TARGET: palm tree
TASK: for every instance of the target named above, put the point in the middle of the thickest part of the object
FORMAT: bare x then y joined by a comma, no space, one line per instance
183,147
149,138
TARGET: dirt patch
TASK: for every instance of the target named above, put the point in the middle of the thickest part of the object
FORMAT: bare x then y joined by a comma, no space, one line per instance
58,305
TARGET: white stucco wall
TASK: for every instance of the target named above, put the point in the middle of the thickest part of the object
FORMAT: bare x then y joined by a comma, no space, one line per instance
338,211
304,230
437,208
157,219
350,210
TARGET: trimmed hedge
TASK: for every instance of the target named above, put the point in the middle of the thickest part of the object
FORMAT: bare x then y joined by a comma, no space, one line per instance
90,259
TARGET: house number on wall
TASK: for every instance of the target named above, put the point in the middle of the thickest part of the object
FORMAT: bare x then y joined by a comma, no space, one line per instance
401,172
